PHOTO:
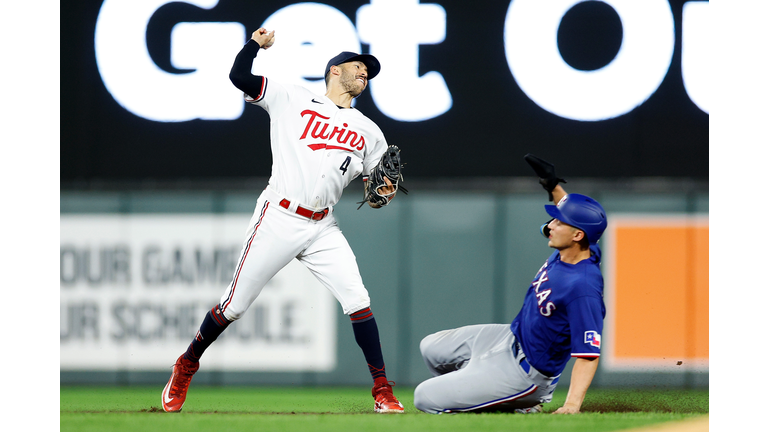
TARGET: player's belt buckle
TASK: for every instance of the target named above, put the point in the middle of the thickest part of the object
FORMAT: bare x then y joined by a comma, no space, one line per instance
319,215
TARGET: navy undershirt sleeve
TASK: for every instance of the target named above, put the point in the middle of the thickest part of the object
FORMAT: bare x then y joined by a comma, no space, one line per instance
240,75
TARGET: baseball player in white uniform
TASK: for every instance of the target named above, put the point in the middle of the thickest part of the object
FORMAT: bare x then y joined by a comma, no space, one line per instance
319,145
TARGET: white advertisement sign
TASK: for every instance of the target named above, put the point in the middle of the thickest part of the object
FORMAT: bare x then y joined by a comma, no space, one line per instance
304,46
135,289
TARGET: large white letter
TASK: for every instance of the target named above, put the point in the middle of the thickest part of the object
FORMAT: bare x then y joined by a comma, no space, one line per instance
394,29
307,35
695,55
530,40
144,89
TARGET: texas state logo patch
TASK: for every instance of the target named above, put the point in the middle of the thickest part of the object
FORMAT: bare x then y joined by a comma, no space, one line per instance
592,337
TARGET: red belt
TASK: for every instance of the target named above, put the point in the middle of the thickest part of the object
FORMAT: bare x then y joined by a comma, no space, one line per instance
307,213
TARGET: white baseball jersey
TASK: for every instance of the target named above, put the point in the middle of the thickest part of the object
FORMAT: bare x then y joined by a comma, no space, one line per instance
317,147
317,150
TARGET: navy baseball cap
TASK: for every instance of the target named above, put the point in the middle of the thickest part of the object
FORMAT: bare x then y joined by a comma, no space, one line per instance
370,62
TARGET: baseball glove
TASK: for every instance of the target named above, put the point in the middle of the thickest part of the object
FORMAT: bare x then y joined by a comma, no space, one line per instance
546,172
389,166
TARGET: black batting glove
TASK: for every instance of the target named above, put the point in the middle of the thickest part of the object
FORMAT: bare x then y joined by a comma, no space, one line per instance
546,172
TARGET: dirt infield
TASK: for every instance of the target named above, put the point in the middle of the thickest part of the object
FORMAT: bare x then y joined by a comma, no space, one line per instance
697,425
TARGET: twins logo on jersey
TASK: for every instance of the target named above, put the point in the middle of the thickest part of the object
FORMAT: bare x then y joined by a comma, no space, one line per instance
350,142
592,337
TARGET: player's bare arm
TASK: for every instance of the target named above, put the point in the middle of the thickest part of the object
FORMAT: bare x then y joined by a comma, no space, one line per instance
581,377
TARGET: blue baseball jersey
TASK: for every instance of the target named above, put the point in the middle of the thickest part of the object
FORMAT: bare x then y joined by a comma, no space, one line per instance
562,314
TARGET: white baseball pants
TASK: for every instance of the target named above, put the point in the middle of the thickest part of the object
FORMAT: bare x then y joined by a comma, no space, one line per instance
277,235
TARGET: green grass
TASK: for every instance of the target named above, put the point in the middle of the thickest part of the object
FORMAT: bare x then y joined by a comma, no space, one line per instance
336,409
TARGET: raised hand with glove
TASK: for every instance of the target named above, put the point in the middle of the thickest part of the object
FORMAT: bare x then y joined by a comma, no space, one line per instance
549,181
546,172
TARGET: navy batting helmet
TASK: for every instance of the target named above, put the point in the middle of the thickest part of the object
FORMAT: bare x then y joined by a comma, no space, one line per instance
582,212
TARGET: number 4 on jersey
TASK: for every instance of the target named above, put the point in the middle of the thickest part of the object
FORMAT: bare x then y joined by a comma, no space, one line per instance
345,164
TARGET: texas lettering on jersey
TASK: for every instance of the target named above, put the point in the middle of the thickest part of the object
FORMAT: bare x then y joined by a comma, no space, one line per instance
318,129
541,295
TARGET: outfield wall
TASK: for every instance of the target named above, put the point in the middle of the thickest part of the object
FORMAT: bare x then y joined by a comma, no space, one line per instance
141,265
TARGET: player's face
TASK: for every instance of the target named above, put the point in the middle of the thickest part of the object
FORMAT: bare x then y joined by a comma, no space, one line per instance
354,77
561,235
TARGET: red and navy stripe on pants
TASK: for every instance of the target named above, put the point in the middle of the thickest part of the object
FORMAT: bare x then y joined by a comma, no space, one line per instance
239,268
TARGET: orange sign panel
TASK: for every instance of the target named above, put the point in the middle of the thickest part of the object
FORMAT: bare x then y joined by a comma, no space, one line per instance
657,292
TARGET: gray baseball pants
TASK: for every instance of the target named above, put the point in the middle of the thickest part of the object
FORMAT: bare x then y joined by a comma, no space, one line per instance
479,368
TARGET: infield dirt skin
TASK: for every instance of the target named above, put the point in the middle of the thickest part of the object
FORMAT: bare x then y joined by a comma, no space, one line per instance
694,425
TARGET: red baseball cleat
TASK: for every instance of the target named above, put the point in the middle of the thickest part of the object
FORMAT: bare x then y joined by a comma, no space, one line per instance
386,402
175,392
